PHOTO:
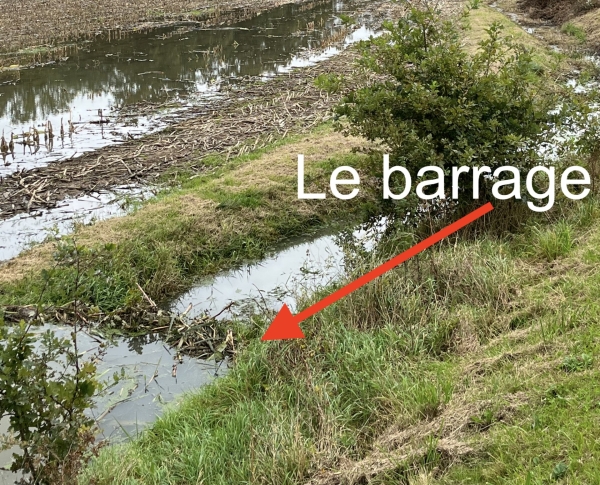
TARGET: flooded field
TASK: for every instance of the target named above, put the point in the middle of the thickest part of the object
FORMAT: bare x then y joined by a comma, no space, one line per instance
107,92
110,92
21,231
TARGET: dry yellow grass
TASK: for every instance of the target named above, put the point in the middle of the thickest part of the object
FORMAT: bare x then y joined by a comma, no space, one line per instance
480,19
275,170
590,24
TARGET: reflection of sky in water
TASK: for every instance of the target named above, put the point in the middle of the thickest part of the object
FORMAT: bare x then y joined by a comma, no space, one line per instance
138,398
301,268
178,66
23,230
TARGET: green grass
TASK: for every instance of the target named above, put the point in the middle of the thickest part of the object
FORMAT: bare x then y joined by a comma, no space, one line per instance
207,222
478,345
574,31
552,242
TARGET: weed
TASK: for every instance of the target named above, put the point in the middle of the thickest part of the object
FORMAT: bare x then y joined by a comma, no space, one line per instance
484,420
577,363
559,471
346,19
574,31
553,242
331,83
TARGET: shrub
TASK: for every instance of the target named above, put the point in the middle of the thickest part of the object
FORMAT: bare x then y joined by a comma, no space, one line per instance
44,391
432,103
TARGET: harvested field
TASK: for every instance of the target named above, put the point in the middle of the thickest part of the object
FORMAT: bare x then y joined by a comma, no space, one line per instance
56,22
253,115
267,112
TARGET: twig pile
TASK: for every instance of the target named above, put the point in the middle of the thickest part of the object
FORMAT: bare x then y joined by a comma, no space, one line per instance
202,337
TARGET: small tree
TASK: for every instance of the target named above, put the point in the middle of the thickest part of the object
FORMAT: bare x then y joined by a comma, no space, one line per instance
44,391
433,103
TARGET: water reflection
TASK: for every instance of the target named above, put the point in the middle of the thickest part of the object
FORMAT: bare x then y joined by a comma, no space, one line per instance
172,65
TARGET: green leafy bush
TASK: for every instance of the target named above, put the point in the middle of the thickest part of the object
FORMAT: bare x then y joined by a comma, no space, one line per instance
433,103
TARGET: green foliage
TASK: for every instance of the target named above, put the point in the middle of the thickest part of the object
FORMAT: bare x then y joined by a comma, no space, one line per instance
474,4
559,471
435,104
44,391
346,19
329,82
574,31
577,363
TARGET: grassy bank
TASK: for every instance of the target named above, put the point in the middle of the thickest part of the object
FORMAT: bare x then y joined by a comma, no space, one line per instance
235,213
477,362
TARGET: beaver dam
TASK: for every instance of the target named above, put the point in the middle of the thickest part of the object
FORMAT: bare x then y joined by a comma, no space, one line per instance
189,350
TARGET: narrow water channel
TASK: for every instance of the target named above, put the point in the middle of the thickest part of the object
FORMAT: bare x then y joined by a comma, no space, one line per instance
148,380
296,270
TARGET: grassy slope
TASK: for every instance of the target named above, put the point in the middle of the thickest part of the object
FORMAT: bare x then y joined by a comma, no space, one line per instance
485,370
213,221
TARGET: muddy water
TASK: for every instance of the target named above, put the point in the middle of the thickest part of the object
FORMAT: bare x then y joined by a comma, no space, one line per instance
144,364
177,67
20,232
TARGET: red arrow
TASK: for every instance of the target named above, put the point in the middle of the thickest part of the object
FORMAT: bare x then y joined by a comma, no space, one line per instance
285,325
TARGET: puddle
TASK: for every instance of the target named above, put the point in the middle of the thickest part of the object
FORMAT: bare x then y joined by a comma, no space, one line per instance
19,232
6,477
146,385
302,267
176,67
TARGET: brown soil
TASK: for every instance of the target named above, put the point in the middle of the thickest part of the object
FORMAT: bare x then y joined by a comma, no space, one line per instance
557,11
